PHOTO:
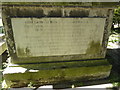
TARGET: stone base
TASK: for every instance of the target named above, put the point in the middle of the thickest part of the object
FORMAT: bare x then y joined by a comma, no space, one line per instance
52,73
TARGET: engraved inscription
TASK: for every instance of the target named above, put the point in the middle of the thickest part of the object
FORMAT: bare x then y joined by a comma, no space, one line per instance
56,36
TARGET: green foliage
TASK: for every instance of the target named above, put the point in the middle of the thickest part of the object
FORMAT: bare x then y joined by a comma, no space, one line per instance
116,18
30,85
116,84
1,29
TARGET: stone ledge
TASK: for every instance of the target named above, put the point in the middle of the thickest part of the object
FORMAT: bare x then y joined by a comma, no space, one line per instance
16,76
59,0
59,3
3,47
61,64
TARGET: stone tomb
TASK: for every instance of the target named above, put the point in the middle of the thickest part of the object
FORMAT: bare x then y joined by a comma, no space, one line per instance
54,42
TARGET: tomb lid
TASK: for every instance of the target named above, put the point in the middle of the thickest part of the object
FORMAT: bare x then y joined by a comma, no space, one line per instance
83,3
60,0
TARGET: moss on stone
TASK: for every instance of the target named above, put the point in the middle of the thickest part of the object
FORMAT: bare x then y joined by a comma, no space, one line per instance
23,52
20,52
58,65
94,47
53,76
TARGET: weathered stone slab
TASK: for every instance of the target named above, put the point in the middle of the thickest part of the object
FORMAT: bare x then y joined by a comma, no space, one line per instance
19,76
57,36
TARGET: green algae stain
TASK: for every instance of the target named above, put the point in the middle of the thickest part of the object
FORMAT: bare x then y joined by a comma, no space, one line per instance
53,76
27,50
21,52
94,47
78,13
